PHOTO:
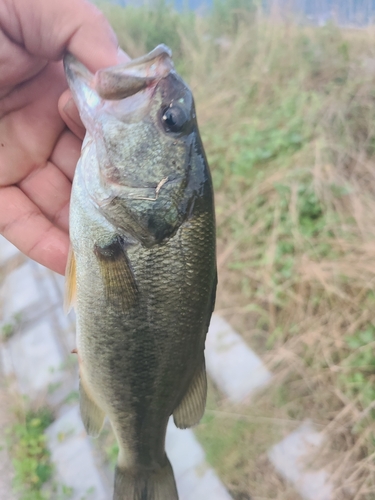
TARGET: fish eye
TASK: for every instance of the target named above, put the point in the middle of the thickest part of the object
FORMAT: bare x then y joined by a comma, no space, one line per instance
175,118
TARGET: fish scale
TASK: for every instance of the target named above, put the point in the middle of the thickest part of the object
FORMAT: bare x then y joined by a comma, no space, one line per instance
142,266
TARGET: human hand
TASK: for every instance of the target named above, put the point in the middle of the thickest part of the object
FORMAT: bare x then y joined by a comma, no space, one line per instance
38,152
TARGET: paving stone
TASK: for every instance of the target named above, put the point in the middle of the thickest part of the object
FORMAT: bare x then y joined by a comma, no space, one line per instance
72,456
49,283
51,289
195,479
36,359
232,365
36,356
19,291
7,250
290,458
6,363
66,328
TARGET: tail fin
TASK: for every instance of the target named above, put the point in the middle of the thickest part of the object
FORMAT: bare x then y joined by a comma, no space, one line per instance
145,484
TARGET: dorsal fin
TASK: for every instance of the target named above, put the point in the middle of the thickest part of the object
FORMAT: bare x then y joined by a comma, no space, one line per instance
117,274
70,282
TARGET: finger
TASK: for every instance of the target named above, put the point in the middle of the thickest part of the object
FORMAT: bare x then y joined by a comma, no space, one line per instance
20,65
69,113
50,28
66,153
23,224
49,189
28,134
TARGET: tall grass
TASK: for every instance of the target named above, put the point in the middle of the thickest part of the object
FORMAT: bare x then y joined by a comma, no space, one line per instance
287,116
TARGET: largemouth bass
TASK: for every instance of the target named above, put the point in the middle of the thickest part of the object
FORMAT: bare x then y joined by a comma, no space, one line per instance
141,271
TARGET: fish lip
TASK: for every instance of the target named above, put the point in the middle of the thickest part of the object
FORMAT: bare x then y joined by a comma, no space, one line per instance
160,51
151,67
124,80
123,91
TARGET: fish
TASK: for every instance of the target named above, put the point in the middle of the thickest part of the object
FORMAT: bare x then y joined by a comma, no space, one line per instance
141,271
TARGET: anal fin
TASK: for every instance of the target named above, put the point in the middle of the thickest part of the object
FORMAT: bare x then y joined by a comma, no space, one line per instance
92,415
191,409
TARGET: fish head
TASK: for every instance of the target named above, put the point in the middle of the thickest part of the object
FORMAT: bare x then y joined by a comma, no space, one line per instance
142,130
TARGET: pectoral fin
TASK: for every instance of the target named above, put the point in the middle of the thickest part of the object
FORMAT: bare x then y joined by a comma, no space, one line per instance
70,282
118,278
92,415
191,409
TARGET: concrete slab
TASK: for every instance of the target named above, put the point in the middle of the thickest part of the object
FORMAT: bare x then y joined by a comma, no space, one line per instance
36,354
195,479
6,363
36,359
72,456
65,327
51,288
19,291
290,458
50,284
237,371
7,250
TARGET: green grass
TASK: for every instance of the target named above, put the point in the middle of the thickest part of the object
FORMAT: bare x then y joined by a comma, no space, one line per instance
8,329
30,456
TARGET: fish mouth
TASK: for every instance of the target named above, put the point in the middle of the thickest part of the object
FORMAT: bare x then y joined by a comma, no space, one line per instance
124,80
121,81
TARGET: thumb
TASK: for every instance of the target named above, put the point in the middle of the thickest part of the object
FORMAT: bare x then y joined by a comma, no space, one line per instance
48,28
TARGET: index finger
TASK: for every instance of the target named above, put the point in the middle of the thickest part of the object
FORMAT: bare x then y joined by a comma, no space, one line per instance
23,223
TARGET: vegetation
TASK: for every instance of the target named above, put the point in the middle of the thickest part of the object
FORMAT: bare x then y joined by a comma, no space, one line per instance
8,329
30,456
287,117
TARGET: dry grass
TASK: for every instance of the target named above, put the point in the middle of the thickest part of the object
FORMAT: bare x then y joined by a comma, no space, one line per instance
297,238
287,115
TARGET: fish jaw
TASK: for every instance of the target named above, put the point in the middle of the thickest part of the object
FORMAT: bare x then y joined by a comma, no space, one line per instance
143,184
119,82
80,81
93,92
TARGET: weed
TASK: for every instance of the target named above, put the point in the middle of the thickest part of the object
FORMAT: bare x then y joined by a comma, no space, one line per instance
30,456
72,397
10,328
112,453
7,331
359,367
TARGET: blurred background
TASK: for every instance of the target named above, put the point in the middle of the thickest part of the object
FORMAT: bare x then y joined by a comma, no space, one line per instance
285,96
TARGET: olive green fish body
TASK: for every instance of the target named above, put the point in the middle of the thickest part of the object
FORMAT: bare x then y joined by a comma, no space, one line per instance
143,244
